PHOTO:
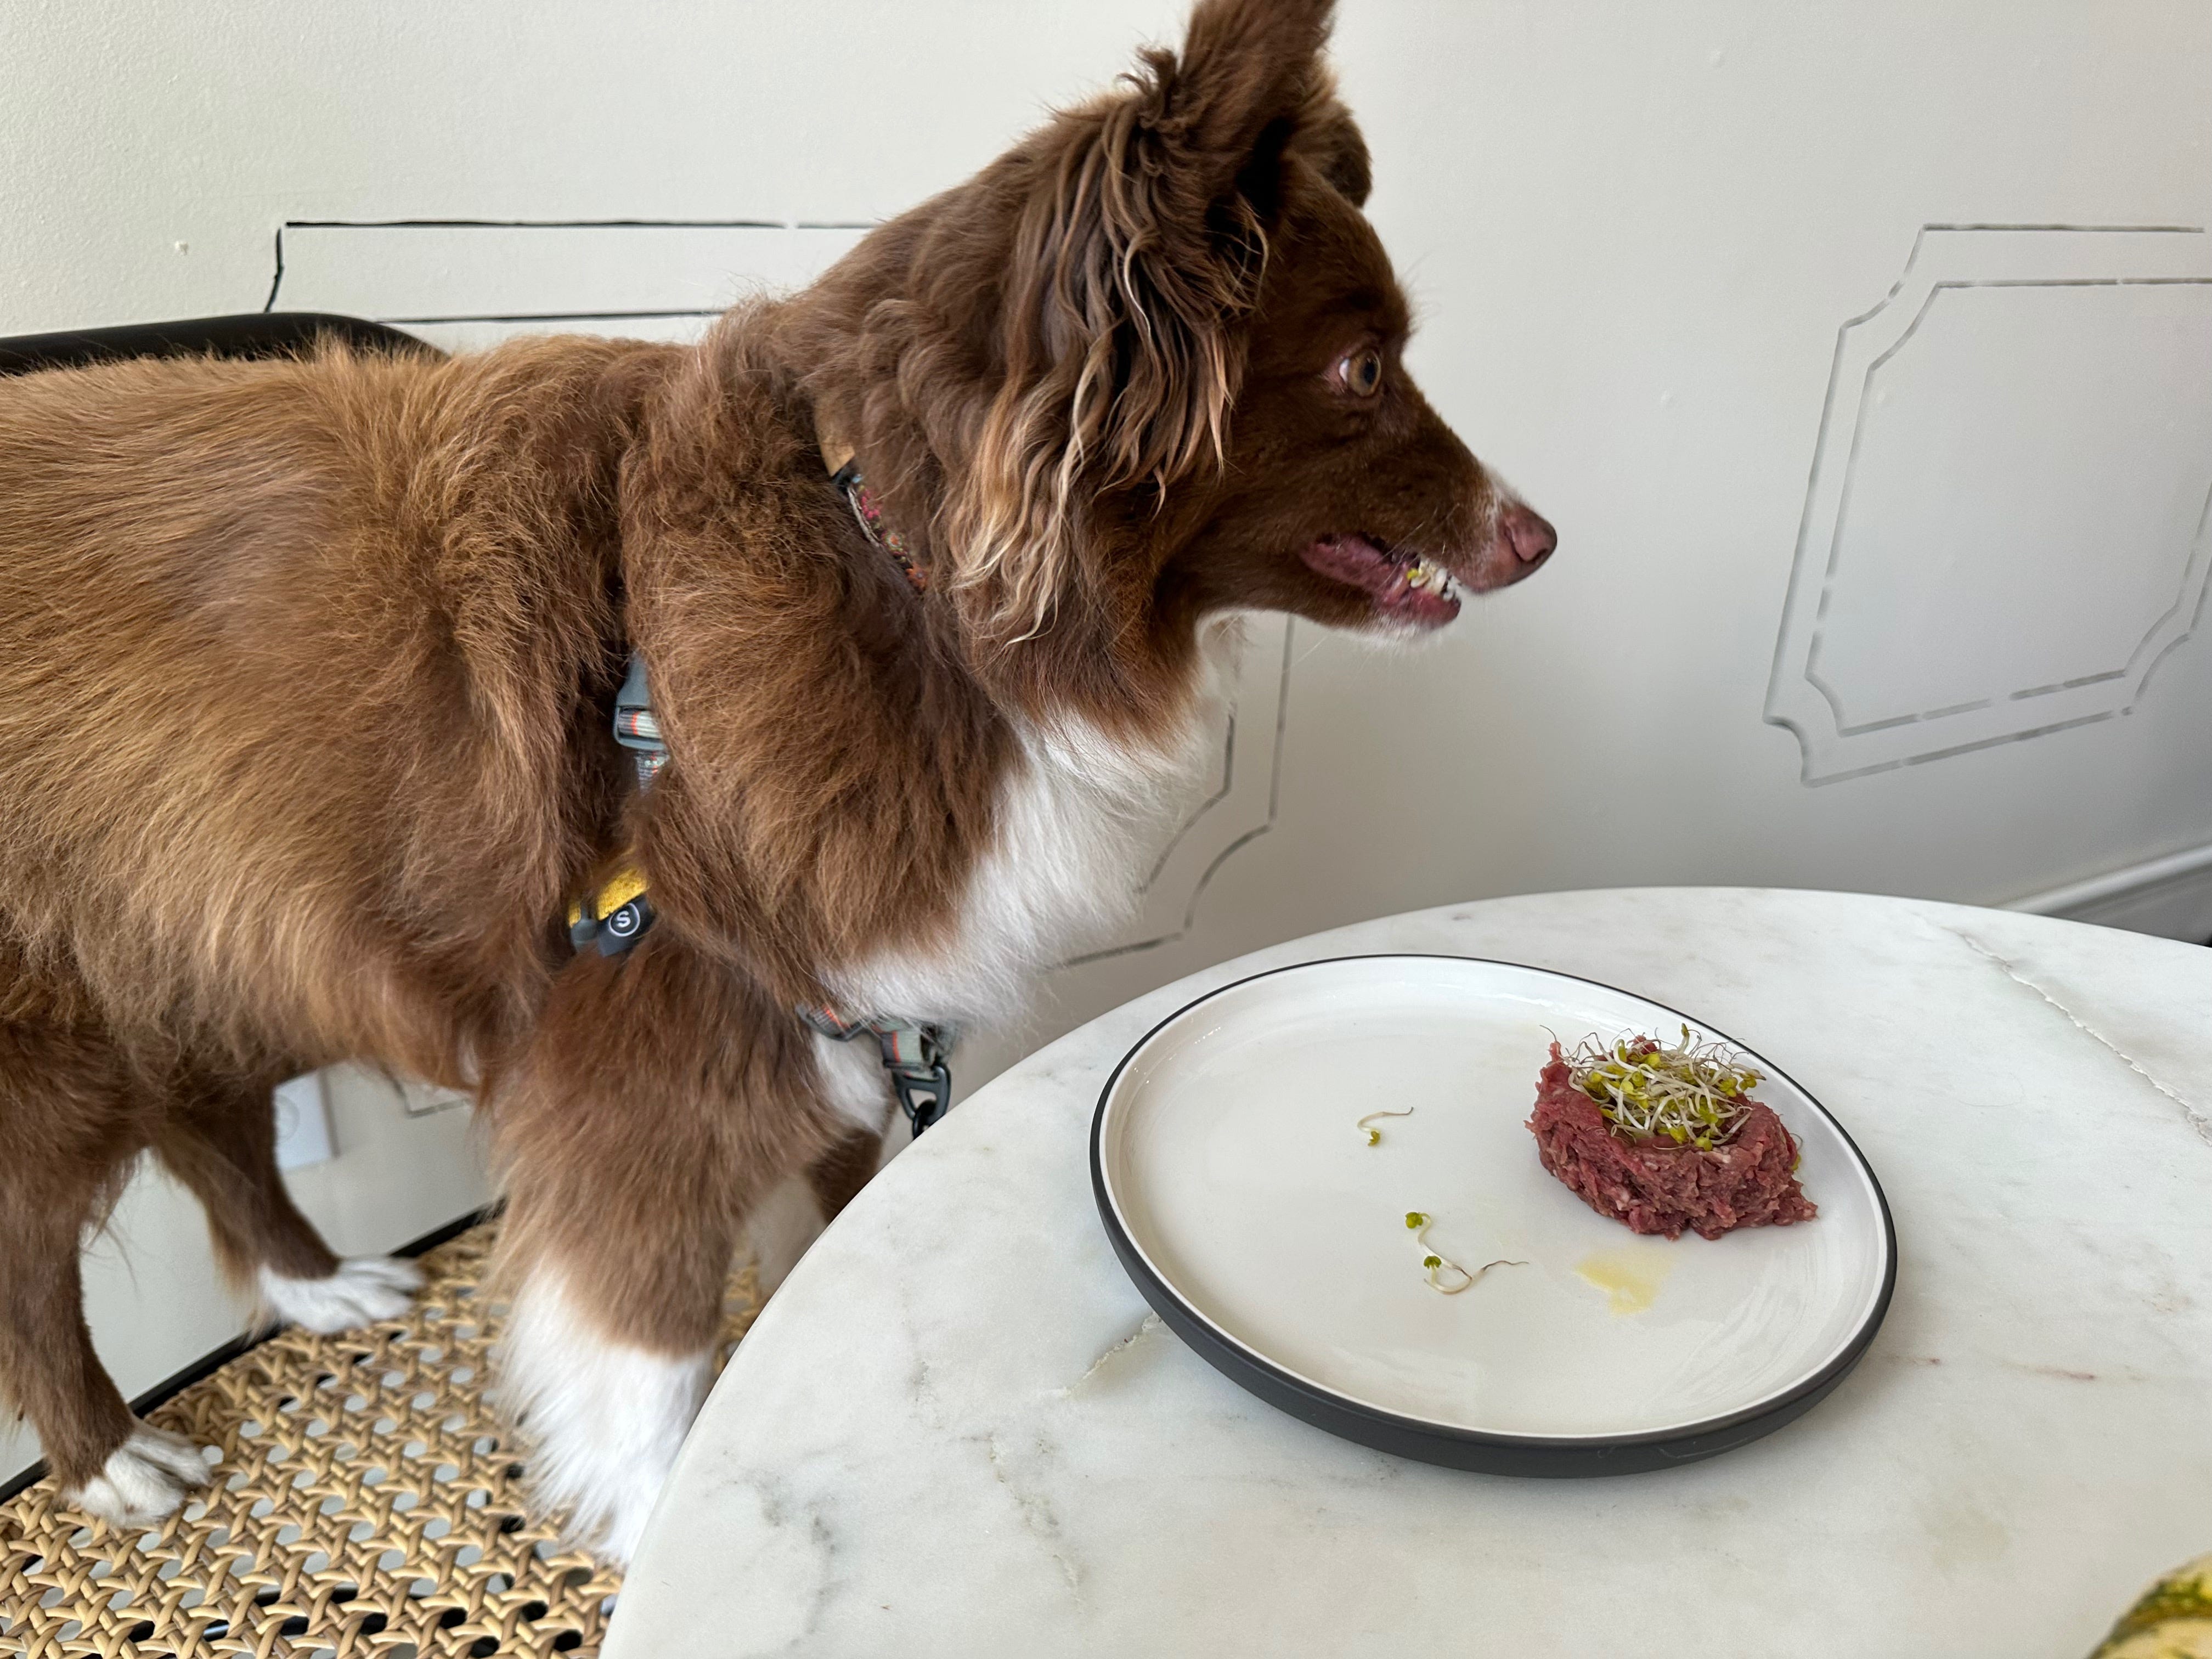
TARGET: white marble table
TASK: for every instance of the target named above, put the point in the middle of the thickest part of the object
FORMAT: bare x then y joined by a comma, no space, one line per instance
956,1430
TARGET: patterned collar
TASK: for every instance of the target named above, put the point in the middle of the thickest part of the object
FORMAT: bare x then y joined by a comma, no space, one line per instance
843,466
868,513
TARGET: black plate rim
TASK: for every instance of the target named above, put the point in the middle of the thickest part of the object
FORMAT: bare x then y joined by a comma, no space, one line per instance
1541,1455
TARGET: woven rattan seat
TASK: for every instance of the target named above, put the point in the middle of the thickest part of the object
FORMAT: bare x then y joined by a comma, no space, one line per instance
365,1501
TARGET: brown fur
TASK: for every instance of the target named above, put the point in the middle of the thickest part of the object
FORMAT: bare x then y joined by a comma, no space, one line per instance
306,667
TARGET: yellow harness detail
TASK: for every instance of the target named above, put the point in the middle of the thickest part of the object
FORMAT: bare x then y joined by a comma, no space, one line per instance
613,917
616,890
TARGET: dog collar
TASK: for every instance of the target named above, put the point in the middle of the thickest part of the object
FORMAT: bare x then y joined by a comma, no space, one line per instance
847,478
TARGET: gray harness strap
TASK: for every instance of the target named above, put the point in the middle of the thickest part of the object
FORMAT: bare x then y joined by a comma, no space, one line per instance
914,1053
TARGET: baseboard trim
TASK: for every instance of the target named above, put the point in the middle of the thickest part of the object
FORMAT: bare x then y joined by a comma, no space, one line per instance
2168,895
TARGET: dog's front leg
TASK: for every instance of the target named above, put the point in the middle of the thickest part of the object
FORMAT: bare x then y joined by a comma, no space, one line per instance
660,1096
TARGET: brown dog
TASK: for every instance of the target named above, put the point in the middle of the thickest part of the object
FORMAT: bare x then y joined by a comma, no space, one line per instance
307,671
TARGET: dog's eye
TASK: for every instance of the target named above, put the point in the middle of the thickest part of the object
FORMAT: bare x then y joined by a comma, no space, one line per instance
1361,372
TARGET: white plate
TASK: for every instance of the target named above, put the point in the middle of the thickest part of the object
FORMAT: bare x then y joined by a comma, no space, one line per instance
1245,1201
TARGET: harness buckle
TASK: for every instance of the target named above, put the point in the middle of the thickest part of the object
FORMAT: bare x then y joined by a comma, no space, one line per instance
914,1055
923,1093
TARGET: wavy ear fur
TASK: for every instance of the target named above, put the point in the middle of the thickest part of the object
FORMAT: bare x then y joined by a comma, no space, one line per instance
1327,135
1137,248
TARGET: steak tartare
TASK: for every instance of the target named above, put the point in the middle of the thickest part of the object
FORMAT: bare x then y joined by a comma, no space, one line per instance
1658,1186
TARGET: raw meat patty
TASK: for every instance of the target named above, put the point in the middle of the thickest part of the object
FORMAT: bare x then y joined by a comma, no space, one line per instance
1654,1187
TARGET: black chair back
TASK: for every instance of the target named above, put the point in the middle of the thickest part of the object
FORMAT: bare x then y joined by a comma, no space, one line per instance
255,334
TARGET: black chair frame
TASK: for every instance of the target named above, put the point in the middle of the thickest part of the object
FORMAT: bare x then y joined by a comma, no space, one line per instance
253,334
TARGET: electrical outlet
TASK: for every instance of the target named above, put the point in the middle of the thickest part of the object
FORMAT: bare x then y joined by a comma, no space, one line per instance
420,1099
303,1123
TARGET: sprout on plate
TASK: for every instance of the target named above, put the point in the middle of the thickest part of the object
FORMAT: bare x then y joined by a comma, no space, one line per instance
1373,1135
1444,1274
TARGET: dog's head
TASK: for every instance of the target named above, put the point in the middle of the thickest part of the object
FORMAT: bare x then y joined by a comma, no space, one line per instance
1148,366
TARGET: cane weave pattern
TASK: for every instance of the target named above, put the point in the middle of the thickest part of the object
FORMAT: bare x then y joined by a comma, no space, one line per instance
364,1502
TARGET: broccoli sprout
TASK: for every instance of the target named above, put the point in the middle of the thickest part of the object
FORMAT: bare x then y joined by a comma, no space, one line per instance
1695,1094
1444,1274
1373,1135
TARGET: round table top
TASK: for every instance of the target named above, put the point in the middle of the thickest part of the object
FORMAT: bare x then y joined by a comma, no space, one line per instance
958,1430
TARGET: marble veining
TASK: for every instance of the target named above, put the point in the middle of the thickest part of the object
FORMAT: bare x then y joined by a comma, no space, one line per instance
958,1431
2195,1119
1148,1325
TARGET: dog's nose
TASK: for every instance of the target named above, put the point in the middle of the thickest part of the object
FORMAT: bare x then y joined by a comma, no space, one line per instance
1528,533
1520,541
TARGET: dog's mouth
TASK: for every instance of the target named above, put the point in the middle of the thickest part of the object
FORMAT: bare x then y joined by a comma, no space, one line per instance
1404,586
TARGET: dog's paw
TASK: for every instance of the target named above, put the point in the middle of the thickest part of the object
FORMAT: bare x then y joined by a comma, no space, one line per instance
147,1477
609,1522
364,1289
602,1420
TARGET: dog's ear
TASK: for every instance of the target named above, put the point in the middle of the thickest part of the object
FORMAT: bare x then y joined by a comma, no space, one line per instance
1138,239
1327,137
1236,97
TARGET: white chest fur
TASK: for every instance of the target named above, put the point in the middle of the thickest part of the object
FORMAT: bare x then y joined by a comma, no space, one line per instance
1080,821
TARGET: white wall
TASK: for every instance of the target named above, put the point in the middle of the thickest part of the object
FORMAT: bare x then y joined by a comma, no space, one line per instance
1634,232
